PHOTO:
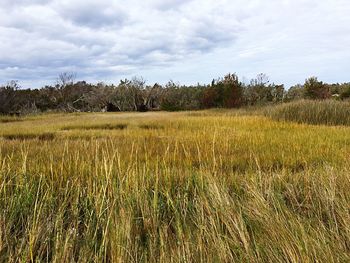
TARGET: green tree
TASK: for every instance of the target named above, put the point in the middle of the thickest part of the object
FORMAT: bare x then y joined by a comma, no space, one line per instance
315,89
233,91
224,92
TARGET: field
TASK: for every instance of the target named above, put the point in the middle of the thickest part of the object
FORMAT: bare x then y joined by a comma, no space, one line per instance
206,186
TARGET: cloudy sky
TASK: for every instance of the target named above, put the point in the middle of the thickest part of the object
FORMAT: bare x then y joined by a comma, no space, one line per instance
188,41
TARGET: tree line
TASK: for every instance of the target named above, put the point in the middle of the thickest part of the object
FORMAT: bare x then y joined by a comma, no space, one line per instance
135,95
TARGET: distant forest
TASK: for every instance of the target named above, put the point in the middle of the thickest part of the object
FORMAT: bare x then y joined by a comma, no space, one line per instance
69,95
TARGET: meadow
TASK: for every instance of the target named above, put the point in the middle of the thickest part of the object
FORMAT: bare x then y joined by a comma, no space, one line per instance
202,186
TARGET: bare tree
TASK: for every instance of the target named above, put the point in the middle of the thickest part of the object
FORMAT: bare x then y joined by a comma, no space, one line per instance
262,79
66,78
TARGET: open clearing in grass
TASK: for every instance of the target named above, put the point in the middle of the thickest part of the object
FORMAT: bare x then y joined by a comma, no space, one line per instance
184,187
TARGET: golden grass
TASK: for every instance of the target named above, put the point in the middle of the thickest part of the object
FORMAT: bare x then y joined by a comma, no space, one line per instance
208,186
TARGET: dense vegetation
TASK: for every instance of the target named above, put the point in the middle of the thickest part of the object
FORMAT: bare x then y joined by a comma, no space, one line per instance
205,186
328,112
134,95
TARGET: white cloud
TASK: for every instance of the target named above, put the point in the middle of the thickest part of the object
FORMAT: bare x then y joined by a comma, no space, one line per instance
188,41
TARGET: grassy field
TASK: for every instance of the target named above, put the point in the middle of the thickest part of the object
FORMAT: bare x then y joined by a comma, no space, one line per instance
207,186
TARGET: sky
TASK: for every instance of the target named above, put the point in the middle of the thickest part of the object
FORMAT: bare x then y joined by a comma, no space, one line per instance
188,42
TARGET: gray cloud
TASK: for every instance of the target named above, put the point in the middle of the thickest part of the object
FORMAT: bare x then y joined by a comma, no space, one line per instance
94,14
168,4
107,40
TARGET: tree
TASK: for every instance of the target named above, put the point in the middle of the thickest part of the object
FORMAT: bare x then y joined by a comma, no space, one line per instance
175,97
278,93
259,91
224,92
136,88
152,96
295,92
171,99
128,95
66,78
209,97
233,91
9,102
314,89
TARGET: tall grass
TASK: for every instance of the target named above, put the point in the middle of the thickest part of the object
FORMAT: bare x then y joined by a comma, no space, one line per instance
205,188
328,112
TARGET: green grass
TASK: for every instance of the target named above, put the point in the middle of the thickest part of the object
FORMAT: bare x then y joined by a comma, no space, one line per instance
210,186
328,112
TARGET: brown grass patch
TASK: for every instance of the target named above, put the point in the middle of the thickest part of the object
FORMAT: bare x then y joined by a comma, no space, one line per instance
42,137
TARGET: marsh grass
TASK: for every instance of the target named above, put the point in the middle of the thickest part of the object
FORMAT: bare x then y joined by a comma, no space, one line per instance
218,187
328,112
